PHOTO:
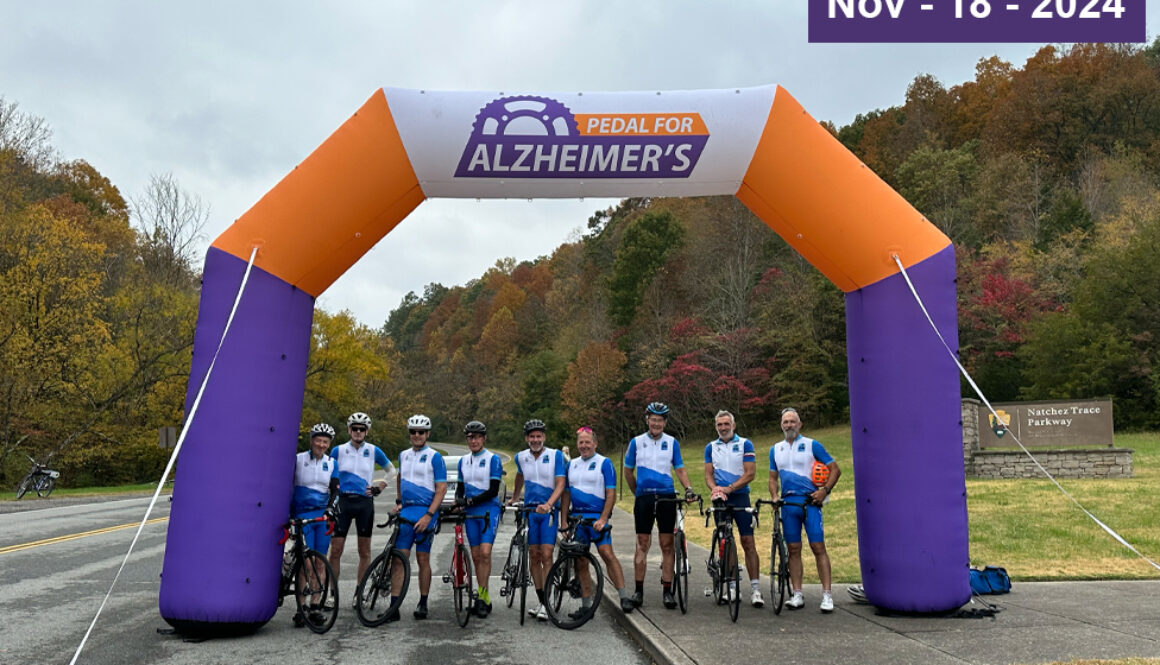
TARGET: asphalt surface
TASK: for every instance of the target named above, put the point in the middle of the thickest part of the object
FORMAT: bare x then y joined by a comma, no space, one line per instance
1039,622
59,556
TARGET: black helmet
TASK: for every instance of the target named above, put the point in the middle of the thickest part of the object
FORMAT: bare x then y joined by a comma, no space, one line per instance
533,425
475,427
657,409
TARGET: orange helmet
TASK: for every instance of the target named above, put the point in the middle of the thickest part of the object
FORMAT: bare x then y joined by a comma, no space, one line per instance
820,474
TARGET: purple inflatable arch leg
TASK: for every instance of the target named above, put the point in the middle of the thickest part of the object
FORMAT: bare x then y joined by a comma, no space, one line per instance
910,485
236,464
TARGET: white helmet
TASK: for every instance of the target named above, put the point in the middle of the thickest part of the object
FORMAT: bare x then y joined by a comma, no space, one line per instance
323,429
419,421
359,418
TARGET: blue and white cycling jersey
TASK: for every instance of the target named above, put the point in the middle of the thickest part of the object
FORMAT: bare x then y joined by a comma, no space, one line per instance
794,464
419,470
540,473
653,461
356,466
728,459
588,479
476,472
312,482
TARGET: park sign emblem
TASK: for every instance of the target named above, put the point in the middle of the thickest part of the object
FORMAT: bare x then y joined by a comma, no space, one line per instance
999,425
539,137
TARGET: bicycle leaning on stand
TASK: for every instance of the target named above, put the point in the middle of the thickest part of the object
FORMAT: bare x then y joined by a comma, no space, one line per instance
459,573
575,582
681,549
385,580
40,478
307,575
723,565
516,576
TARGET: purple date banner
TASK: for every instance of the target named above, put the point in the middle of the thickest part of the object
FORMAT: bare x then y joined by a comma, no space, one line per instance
962,21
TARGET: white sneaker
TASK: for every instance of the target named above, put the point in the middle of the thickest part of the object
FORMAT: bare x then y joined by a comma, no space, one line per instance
732,593
532,611
542,613
795,601
756,599
827,602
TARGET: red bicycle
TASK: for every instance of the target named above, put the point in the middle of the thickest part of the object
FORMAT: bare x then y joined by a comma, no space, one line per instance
459,573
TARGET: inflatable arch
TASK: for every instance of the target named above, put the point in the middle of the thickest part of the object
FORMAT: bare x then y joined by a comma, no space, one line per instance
221,565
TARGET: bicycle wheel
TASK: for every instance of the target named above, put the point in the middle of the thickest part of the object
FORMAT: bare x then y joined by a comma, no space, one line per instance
575,583
731,580
316,590
714,566
779,573
45,486
511,571
24,486
681,571
522,580
463,584
376,588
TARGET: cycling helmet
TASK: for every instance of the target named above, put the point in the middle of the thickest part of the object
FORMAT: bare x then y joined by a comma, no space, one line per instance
359,418
419,421
533,425
819,474
322,429
475,427
657,409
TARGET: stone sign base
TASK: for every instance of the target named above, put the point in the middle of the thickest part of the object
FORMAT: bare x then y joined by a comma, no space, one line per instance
1061,463
1073,463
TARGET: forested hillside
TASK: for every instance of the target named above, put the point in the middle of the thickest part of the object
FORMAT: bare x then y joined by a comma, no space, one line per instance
1045,176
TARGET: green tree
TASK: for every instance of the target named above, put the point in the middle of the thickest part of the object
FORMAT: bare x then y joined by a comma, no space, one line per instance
648,242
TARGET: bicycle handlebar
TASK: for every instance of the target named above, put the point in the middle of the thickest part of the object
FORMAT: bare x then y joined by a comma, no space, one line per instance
729,510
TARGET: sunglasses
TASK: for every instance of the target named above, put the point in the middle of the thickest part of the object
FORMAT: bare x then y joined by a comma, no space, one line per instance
358,429
413,432
475,436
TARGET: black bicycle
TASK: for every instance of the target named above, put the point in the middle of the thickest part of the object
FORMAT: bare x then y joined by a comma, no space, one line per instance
515,573
723,565
681,549
307,575
575,582
387,577
40,478
778,557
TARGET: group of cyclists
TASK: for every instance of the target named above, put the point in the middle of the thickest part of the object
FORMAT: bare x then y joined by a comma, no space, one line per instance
339,482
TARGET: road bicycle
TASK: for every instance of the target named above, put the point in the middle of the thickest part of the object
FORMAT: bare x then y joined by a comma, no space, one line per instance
459,572
381,590
723,565
40,478
681,549
516,575
575,582
778,557
307,575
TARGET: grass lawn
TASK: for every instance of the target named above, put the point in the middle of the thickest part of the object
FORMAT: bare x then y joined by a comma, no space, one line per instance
147,488
1026,526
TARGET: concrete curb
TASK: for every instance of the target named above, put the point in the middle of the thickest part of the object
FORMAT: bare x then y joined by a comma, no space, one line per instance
644,632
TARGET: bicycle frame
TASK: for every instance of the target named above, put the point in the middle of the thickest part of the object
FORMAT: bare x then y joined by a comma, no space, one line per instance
459,570
723,566
681,565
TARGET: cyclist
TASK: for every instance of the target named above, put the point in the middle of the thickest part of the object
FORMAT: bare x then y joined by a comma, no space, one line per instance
421,484
591,493
542,471
790,466
654,456
480,474
356,460
730,465
315,492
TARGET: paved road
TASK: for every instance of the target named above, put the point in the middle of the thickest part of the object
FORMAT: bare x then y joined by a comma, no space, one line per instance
52,591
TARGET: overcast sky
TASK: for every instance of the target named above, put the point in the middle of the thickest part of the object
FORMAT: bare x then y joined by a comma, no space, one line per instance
229,95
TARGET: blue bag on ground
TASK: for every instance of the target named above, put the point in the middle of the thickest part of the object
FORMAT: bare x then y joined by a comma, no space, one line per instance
990,579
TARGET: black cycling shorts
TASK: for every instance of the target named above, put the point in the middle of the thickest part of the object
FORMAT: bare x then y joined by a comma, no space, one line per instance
647,511
360,509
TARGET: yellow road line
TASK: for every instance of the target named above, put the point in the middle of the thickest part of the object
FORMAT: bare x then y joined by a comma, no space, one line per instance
73,536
